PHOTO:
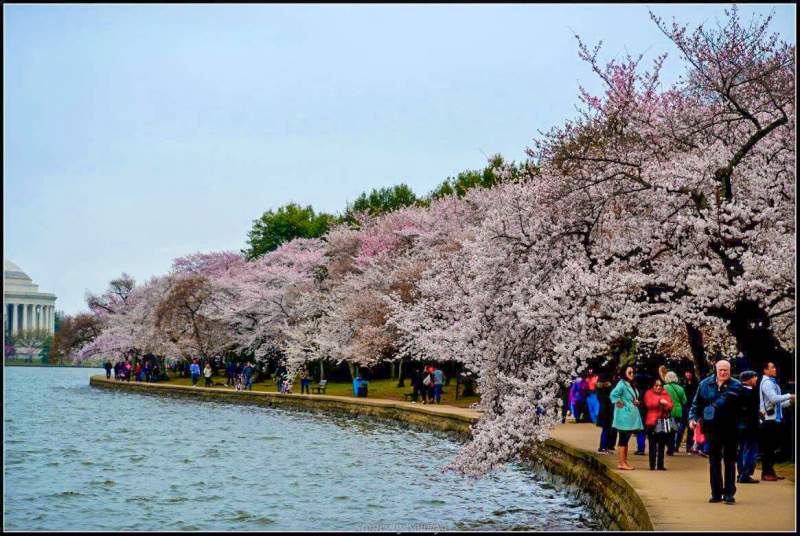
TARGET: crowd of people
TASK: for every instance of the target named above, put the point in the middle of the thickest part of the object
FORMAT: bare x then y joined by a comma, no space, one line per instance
239,375
427,384
141,371
730,421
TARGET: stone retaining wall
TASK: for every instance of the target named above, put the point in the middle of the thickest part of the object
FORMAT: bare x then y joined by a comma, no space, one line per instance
613,500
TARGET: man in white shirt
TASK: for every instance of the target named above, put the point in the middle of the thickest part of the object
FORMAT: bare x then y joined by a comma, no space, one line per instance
771,406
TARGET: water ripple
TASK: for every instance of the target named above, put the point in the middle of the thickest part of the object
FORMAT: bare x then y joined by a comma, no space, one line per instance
79,458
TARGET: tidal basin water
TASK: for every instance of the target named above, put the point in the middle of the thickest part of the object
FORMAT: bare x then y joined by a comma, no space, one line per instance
83,458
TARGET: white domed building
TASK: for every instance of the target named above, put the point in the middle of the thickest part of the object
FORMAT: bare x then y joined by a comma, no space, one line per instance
25,308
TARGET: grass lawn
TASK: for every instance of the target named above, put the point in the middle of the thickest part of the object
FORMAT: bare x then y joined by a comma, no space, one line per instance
377,389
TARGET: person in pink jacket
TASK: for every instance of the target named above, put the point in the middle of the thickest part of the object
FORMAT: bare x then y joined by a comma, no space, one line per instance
659,406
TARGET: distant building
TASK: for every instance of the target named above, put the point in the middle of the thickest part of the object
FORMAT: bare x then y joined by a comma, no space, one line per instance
25,308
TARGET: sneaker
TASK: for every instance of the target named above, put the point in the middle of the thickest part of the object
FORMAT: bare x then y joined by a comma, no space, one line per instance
729,499
639,453
747,480
769,478
715,499
661,468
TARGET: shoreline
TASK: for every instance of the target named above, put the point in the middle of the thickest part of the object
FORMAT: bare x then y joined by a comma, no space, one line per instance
610,497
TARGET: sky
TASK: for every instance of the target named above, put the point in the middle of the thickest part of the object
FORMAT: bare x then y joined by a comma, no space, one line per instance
134,134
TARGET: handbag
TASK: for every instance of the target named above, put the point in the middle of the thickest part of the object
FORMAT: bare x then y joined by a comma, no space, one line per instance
665,426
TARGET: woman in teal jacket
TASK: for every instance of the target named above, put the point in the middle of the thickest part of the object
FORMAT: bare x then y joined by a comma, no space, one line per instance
627,418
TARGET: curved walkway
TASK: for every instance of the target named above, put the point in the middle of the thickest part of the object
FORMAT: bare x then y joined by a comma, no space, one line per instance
676,500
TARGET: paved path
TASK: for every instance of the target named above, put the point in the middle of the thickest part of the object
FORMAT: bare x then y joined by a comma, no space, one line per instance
677,499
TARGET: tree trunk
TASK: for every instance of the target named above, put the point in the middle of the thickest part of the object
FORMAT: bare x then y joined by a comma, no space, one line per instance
698,349
321,369
353,370
401,382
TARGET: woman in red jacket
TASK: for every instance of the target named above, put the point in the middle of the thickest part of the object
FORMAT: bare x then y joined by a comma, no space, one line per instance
659,406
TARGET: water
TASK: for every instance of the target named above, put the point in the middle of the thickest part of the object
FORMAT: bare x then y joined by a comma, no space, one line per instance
83,458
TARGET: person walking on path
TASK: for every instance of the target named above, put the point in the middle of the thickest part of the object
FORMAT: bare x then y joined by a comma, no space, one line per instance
427,386
565,408
592,402
678,396
689,389
605,414
627,419
772,404
194,370
748,428
230,372
416,384
208,373
577,399
107,366
305,382
248,376
657,422
438,383
717,403
139,372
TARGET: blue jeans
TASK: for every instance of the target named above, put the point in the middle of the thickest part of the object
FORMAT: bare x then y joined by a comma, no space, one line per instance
683,426
195,377
746,460
608,437
640,437
248,382
593,404
437,392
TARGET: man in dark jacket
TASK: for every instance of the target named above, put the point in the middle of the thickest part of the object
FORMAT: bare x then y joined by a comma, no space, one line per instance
748,428
230,372
717,403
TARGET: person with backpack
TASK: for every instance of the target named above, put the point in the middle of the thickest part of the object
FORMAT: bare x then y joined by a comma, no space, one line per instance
678,397
438,383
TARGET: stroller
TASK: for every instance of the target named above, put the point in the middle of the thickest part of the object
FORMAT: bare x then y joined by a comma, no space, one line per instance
239,382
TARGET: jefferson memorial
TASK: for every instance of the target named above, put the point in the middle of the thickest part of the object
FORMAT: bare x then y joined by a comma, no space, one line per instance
25,307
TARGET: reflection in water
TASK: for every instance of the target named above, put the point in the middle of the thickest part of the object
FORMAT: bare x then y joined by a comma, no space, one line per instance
80,458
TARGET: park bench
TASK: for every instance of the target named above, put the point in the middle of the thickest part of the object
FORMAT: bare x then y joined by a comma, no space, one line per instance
320,387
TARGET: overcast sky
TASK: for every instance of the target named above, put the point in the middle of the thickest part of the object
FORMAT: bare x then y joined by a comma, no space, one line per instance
135,134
